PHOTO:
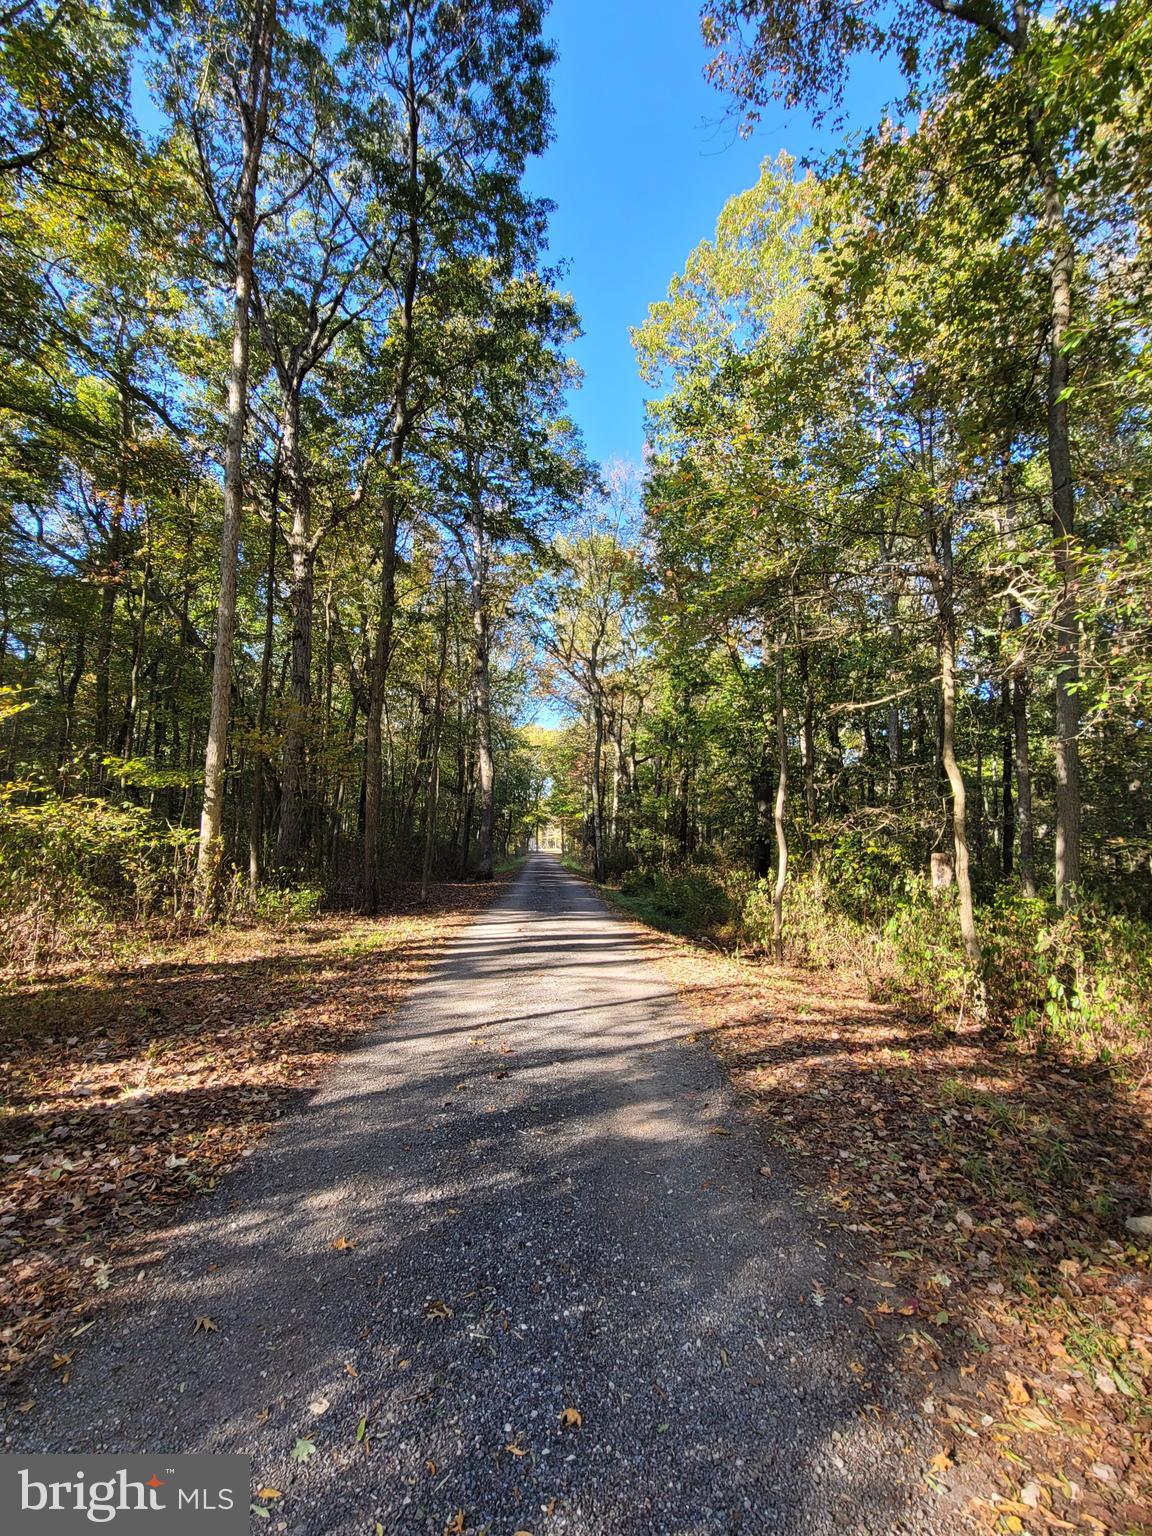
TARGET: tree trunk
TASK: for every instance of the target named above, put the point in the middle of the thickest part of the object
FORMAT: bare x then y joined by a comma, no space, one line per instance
1007,801
256,816
401,428
1066,614
433,793
946,631
1023,777
253,116
778,813
596,787
374,726
301,596
482,690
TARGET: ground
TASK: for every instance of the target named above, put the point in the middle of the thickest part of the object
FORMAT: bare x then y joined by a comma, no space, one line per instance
990,1185
520,1264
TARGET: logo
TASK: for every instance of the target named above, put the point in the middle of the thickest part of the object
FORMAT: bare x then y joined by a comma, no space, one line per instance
61,1494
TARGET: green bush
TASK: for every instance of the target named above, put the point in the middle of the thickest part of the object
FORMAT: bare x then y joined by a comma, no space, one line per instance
1079,980
71,868
689,900
288,905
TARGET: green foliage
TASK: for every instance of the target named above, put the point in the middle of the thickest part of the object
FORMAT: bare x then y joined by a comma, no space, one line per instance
684,901
1070,980
71,868
287,905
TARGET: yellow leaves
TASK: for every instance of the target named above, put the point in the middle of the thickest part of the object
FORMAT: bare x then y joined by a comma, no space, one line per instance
941,1462
438,1311
204,1324
571,1418
343,1244
269,1493
1018,1394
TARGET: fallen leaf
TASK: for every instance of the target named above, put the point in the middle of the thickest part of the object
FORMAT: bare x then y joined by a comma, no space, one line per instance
514,1449
455,1526
941,1462
572,1418
205,1325
342,1244
438,1309
303,1449
1017,1391
269,1493
318,1406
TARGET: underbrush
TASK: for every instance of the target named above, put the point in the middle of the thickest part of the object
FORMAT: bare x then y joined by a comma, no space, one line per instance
74,871
1076,983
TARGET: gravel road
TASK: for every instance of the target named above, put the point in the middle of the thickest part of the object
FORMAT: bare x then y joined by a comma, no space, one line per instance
527,1198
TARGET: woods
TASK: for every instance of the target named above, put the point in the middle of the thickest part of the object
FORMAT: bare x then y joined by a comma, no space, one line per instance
892,563
284,421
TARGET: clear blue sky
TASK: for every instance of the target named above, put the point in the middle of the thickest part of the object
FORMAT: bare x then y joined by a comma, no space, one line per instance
641,164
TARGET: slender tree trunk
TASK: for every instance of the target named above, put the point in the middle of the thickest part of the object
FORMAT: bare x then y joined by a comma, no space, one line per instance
1007,800
1066,615
432,800
374,725
1023,776
253,116
401,428
808,735
778,812
482,690
259,764
301,601
595,785
946,632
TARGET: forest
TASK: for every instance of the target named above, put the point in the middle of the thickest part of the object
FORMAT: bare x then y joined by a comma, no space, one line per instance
321,627
298,526
868,672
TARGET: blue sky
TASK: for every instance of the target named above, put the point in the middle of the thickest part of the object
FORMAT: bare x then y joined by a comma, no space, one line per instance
641,164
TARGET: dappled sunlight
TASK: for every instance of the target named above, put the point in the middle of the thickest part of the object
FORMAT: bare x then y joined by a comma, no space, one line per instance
484,1219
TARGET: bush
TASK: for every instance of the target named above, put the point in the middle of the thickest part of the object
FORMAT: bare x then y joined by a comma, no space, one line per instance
288,905
691,900
1076,982
70,868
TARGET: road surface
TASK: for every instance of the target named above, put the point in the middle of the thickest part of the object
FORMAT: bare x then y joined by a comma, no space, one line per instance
522,1234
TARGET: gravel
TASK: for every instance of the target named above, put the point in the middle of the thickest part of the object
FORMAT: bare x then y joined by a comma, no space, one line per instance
539,1214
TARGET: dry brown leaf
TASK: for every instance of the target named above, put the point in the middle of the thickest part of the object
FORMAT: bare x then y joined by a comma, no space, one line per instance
342,1244
572,1418
439,1310
455,1526
1018,1393
205,1324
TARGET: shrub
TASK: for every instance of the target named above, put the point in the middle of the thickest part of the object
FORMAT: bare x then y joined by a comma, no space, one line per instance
70,868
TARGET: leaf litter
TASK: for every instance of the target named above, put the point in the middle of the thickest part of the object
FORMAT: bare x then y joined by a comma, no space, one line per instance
982,1191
